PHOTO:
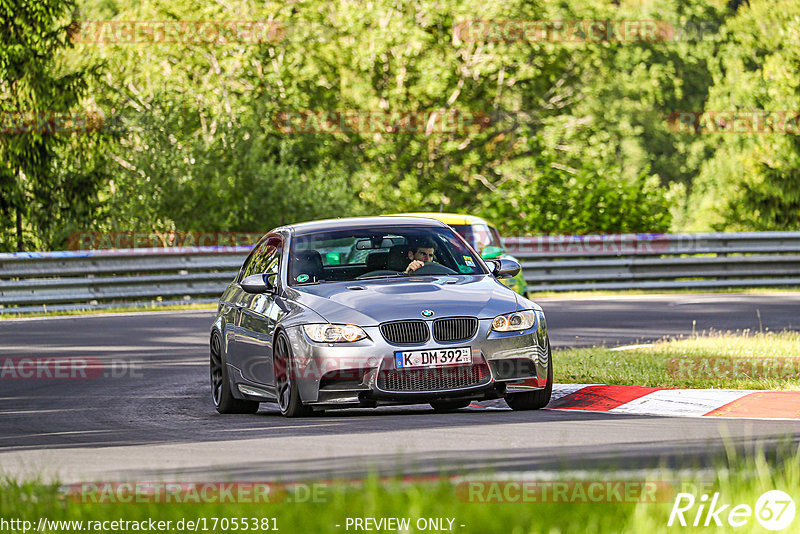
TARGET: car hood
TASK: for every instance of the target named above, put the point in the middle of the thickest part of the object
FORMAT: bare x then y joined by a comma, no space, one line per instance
371,302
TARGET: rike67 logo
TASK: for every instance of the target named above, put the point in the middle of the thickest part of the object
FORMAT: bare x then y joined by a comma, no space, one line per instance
774,510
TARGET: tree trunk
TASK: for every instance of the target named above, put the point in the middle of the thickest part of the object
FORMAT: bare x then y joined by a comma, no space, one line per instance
20,244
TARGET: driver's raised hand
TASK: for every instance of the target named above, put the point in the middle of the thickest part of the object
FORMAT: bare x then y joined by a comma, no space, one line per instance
413,266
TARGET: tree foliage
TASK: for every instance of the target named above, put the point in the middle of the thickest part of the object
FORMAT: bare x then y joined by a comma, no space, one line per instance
752,180
49,178
557,136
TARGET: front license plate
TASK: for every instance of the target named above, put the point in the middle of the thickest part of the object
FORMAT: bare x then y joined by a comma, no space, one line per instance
432,358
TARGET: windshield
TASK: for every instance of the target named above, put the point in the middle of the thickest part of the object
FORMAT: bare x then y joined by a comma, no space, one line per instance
479,236
382,252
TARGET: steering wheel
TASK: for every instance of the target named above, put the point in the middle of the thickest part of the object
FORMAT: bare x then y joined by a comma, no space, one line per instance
432,268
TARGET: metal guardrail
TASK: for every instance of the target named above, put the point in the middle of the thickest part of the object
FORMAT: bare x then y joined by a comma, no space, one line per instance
65,280
102,278
659,261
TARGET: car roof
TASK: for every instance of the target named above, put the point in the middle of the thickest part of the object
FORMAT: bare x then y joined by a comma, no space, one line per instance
448,218
361,222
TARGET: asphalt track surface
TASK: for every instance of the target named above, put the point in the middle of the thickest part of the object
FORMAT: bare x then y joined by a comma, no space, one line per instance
154,420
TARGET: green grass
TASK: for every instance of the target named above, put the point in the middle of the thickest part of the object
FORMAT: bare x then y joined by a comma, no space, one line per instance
742,360
117,309
738,481
623,292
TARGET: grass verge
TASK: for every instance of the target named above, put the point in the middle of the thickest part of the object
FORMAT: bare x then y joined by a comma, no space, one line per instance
690,291
578,508
743,360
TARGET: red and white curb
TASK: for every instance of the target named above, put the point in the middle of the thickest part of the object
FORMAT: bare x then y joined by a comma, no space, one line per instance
637,400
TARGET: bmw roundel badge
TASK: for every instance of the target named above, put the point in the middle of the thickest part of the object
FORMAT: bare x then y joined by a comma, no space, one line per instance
427,313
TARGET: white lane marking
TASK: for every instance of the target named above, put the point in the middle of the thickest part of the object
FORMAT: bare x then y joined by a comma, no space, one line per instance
612,298
681,402
211,308
259,429
116,350
89,395
57,434
27,412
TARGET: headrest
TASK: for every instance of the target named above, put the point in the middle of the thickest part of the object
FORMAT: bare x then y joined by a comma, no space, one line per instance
398,258
377,261
308,262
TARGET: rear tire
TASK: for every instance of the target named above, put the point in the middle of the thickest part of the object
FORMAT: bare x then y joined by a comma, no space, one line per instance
534,400
286,388
449,406
221,394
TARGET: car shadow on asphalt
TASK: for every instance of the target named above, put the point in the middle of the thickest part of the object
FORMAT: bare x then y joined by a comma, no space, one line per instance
692,455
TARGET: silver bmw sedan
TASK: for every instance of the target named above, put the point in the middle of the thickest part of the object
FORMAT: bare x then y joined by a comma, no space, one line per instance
372,311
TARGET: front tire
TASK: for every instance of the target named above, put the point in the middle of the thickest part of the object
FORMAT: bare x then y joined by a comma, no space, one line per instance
221,394
534,400
286,387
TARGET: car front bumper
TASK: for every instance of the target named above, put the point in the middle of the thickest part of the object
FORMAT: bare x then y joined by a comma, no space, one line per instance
363,372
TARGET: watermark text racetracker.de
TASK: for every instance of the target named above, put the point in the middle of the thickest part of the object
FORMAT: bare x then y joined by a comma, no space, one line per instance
161,241
564,491
15,122
67,368
351,121
564,31
182,492
186,32
600,245
744,122
733,368
587,31
309,368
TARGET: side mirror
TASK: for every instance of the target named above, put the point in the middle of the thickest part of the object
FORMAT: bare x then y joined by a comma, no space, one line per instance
490,252
504,268
259,283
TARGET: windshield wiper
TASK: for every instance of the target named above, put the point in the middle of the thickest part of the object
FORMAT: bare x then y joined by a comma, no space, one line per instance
378,276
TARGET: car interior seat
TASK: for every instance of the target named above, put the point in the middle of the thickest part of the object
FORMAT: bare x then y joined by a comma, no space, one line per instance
308,262
398,258
377,261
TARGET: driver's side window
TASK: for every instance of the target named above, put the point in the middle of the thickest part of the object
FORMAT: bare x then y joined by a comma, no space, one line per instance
252,260
270,258
265,259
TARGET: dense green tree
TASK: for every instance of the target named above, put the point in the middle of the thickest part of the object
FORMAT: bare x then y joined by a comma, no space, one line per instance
49,174
752,182
544,135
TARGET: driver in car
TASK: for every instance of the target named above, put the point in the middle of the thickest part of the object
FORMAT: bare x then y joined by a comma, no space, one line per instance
420,253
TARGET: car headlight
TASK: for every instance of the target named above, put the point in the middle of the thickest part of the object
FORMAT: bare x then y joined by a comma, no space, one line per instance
511,322
334,333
